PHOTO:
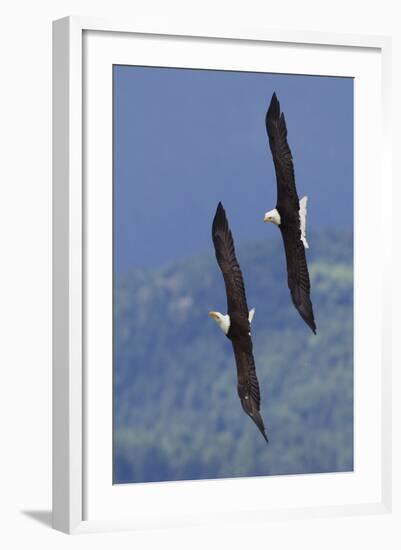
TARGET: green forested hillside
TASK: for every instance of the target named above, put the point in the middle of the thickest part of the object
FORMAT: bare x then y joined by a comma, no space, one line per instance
176,410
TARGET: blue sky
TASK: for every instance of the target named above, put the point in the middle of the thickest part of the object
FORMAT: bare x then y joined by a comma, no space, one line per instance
185,139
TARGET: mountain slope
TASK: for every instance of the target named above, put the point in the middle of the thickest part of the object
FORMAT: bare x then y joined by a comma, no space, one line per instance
176,410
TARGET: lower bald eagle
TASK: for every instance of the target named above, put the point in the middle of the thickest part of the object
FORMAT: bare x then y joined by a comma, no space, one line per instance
236,324
289,214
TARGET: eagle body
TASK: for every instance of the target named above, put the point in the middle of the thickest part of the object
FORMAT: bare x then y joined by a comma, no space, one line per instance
237,323
240,331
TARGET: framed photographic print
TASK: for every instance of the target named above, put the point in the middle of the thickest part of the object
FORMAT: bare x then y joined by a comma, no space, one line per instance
219,324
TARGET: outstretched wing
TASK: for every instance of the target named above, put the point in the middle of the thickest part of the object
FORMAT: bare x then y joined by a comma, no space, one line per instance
288,205
248,387
282,157
225,255
237,308
298,275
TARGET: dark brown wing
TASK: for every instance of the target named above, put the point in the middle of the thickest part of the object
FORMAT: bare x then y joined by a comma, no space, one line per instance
248,386
288,207
225,255
282,157
298,275
237,308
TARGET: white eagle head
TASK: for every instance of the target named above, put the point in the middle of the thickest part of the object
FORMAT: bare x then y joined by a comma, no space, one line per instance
223,321
272,216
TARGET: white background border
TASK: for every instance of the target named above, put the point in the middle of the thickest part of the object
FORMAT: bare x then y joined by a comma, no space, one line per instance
172,503
25,323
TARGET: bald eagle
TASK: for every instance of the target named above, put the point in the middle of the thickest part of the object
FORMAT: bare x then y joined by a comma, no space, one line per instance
289,214
237,322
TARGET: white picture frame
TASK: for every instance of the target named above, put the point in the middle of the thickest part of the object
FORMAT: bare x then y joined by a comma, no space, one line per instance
83,48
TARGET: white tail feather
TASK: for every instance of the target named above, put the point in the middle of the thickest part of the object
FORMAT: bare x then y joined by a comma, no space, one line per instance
251,314
302,217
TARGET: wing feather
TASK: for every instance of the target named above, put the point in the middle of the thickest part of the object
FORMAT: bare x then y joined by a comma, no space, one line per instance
227,260
282,157
248,387
298,274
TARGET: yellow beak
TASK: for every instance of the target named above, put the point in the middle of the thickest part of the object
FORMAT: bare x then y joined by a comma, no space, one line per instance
212,314
266,219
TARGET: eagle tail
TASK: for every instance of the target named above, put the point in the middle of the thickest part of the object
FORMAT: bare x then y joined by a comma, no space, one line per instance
302,216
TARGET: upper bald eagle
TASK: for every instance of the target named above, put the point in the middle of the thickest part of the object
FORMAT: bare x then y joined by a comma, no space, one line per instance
289,214
236,324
